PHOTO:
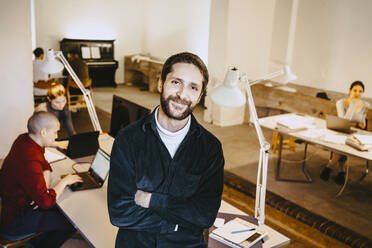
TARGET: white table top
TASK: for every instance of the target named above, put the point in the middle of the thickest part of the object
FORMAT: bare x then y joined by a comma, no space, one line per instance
87,209
271,123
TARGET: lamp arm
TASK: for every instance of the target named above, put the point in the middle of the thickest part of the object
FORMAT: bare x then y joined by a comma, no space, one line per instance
86,93
253,112
264,156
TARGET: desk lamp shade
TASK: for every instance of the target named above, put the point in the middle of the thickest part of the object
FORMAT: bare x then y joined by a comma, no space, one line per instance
51,65
228,94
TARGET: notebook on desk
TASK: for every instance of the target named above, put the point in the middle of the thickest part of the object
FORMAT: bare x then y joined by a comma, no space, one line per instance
339,124
219,242
238,233
96,175
82,144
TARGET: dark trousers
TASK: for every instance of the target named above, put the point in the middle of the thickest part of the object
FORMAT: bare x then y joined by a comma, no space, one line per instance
52,223
139,239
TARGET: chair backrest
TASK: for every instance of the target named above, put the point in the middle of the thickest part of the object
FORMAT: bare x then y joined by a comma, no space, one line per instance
87,82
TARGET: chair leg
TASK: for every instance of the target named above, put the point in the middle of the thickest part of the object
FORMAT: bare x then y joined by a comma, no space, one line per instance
68,98
346,179
291,144
275,141
304,170
365,172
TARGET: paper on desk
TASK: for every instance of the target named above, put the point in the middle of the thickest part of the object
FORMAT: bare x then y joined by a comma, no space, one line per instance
334,138
364,138
231,226
312,133
219,222
51,156
294,121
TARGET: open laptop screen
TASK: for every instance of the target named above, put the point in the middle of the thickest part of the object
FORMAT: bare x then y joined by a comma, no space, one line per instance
101,164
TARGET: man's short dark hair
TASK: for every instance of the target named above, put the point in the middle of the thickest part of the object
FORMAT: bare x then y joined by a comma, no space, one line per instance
39,120
38,52
188,58
360,83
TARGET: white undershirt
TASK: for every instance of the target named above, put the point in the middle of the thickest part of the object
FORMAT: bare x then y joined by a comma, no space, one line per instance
171,140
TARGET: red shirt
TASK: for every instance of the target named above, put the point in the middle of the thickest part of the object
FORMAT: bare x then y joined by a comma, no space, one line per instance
22,180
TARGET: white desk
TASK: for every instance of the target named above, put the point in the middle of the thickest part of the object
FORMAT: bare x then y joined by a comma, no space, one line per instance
271,123
87,209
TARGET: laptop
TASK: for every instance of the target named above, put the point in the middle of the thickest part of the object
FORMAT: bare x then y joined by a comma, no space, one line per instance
339,124
82,144
96,175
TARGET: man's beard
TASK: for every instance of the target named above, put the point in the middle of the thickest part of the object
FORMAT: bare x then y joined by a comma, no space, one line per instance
165,105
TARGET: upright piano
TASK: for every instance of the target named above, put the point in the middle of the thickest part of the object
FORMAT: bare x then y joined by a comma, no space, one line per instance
99,56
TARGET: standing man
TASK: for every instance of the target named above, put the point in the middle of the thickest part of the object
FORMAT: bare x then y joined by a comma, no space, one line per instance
38,74
40,78
28,201
166,172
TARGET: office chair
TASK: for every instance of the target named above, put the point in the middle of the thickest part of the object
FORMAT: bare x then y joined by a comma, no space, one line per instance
275,138
12,241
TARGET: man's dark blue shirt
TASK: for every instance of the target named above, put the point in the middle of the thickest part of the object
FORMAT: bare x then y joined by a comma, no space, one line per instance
186,189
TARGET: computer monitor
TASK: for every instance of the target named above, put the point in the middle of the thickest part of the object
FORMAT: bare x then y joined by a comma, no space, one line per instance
125,112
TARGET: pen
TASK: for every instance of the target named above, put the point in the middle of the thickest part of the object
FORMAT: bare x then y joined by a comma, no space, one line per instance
245,230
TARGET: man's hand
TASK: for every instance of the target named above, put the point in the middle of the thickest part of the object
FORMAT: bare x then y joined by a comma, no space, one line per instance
34,206
142,198
61,144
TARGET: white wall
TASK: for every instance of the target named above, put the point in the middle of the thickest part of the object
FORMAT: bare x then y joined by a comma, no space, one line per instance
280,32
331,46
172,26
332,43
16,98
217,39
91,19
249,35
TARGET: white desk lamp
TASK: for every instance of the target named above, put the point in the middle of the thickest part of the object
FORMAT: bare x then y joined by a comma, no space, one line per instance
229,95
52,65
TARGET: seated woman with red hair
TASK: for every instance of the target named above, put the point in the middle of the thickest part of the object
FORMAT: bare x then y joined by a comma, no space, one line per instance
57,105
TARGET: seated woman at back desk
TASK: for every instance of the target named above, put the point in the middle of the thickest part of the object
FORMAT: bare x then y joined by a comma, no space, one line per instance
57,105
352,108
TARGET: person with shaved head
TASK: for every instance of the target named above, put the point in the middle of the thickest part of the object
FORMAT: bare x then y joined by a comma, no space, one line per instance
28,201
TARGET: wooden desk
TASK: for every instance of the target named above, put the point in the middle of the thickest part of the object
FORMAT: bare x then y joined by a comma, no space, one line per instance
303,101
87,209
146,71
270,123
